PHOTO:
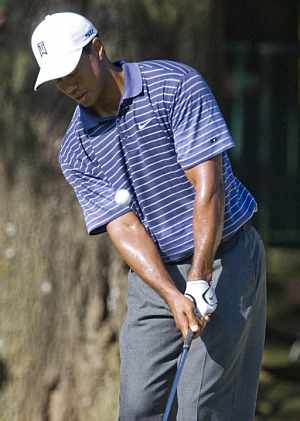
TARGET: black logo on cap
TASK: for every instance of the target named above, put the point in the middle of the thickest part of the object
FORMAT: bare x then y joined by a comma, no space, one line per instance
42,48
89,33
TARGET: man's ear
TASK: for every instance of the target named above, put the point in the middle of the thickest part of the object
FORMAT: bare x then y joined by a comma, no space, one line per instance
97,44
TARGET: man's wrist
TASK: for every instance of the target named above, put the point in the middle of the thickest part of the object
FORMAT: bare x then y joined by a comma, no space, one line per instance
193,277
170,294
199,280
198,272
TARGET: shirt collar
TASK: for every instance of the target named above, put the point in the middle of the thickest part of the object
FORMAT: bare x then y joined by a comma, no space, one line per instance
133,80
133,86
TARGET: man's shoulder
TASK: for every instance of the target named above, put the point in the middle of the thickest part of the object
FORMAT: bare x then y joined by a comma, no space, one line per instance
164,70
70,138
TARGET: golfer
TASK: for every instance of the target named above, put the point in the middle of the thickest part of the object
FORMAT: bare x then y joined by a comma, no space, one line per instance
154,130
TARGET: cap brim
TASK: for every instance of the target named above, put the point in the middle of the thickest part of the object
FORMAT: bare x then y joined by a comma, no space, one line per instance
58,67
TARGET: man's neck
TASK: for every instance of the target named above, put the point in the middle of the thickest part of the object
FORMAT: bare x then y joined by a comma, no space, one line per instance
109,101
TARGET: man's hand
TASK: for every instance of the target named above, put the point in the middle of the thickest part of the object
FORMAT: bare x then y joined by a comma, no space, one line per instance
203,295
185,316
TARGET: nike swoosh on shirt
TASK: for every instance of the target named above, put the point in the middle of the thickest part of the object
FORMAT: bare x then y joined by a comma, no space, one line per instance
144,124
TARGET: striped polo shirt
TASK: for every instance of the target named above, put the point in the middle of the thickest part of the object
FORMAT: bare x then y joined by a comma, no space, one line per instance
168,121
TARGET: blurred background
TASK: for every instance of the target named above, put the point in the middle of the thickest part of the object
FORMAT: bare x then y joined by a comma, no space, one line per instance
62,293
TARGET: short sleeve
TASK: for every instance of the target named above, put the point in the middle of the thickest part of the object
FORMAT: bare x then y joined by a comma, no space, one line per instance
198,126
96,199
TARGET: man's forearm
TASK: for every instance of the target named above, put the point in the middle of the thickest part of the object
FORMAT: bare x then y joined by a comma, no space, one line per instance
207,232
140,253
208,215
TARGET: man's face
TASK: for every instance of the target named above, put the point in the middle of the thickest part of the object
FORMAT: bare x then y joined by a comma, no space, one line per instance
85,84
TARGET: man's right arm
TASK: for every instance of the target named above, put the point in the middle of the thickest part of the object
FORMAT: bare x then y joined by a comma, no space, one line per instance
140,253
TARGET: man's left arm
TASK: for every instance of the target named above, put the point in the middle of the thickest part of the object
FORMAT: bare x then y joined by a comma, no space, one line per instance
208,215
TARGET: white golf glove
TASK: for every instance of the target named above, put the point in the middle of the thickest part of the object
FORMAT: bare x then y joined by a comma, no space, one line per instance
203,296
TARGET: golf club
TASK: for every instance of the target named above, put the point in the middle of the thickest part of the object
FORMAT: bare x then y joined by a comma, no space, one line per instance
186,347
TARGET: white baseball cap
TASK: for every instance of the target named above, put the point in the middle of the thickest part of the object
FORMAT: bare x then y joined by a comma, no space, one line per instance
57,44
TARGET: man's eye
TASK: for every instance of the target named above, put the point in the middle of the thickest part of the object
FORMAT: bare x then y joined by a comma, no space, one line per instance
58,81
74,73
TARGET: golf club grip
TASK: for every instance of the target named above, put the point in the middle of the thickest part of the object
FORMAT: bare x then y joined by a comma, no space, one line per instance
188,339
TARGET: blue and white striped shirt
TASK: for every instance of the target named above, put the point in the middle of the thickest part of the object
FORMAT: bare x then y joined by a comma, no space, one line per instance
168,121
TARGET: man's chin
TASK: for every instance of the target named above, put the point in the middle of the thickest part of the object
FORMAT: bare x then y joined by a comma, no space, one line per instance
83,100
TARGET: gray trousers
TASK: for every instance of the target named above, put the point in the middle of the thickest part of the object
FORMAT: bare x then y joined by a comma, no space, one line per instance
220,378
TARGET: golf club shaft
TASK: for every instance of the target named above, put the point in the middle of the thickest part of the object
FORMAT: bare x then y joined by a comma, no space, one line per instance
186,347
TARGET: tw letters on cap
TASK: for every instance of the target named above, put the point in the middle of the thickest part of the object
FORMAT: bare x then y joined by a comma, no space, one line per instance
42,48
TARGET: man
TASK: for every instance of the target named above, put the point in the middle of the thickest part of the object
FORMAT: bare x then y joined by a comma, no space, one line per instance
154,129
